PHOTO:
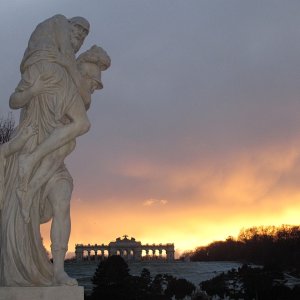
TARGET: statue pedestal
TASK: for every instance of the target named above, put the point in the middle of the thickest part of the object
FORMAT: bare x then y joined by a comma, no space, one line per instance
42,293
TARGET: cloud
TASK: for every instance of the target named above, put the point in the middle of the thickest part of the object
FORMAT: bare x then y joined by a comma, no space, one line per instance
213,126
152,201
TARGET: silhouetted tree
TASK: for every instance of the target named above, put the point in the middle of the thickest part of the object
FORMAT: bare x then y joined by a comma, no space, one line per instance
6,128
215,286
111,279
144,283
146,276
113,282
251,283
157,286
180,288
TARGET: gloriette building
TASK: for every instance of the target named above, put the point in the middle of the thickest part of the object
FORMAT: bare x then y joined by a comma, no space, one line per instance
129,249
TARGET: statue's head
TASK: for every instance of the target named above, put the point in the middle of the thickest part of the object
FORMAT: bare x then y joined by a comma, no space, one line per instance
80,28
90,64
92,75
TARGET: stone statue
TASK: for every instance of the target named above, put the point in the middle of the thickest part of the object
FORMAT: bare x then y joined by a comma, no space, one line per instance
35,186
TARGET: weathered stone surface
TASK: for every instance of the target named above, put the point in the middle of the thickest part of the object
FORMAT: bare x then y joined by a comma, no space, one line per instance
42,293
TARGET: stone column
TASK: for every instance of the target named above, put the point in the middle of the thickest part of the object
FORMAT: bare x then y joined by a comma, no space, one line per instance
132,254
170,255
79,254
137,254
76,254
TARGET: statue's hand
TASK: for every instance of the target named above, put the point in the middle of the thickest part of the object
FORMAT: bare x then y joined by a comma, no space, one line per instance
30,130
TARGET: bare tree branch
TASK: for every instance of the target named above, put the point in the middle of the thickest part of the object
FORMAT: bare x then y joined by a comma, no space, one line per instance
6,128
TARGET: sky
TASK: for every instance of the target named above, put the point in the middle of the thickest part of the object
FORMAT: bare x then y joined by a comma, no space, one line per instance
196,133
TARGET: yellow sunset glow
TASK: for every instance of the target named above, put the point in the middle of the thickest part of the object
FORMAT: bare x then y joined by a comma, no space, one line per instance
249,190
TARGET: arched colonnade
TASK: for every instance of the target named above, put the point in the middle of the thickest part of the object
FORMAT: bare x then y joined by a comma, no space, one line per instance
129,249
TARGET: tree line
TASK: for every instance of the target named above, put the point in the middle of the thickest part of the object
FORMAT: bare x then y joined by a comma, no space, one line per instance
250,283
262,245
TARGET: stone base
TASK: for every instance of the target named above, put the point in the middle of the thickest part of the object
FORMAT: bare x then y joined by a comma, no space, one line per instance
42,293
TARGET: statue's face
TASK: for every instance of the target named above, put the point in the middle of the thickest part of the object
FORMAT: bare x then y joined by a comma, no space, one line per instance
78,34
92,85
92,75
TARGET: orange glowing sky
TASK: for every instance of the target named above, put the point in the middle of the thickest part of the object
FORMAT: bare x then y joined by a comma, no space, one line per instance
259,188
196,133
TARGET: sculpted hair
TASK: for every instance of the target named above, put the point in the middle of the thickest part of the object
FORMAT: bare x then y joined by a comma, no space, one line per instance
96,55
